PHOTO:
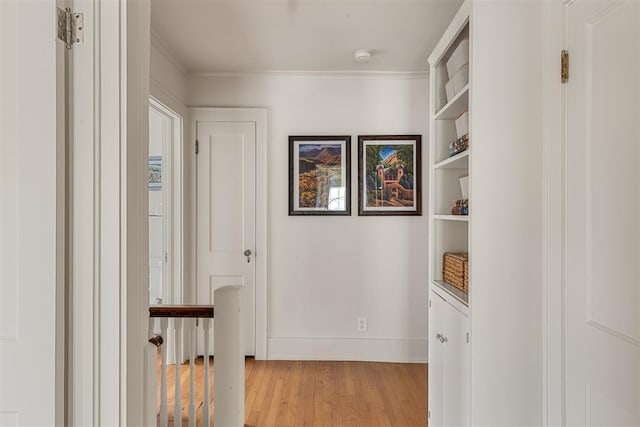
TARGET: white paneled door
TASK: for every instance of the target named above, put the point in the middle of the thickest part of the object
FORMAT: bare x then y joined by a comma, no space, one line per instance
226,215
31,141
603,214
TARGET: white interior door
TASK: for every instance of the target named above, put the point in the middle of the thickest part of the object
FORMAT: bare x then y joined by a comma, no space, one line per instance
30,218
603,214
226,215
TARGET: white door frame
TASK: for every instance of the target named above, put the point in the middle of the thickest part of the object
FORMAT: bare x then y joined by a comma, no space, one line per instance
259,116
111,362
173,286
553,210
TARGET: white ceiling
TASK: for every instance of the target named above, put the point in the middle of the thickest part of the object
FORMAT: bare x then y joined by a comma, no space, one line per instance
300,35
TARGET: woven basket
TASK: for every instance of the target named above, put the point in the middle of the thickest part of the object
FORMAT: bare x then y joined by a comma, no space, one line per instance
454,267
466,276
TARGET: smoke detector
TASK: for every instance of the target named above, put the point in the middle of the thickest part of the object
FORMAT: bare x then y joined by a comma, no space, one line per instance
362,55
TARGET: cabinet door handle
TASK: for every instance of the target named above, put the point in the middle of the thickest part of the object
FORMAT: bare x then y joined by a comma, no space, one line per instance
441,338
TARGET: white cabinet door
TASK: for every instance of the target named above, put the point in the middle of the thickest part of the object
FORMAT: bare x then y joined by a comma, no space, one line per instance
449,364
436,360
456,368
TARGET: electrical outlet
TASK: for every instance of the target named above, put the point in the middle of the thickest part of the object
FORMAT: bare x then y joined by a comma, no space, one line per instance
362,324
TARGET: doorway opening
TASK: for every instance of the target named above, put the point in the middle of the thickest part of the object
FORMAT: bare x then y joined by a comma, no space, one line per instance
165,205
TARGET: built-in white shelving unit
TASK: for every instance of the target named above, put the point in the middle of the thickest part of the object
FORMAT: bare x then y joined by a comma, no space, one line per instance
455,107
449,307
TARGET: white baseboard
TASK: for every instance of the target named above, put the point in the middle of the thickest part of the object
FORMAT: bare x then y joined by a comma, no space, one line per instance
348,349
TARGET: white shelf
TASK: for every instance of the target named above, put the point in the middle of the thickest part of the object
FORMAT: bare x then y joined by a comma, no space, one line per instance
460,218
459,161
453,291
458,105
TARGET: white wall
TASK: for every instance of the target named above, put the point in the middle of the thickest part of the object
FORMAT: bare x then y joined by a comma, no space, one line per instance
507,132
324,272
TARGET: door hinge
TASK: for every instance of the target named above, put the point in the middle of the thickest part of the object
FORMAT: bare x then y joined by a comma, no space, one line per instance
429,303
467,337
429,414
197,147
70,27
564,66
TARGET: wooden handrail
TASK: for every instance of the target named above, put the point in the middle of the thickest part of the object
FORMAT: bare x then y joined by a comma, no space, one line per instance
199,311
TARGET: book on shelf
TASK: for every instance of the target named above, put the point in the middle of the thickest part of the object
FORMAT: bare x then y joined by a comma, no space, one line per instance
459,145
460,207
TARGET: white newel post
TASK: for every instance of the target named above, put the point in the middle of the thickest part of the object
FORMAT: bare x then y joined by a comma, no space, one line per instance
229,359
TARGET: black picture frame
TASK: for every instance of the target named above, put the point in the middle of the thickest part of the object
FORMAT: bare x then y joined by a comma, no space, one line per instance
312,157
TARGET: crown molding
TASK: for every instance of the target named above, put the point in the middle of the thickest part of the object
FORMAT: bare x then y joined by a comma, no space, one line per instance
298,74
160,45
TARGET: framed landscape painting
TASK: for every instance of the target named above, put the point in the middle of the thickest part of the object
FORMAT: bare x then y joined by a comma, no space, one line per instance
389,175
155,173
319,175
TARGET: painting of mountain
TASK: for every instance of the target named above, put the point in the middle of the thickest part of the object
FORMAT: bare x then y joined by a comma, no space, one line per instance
319,176
320,168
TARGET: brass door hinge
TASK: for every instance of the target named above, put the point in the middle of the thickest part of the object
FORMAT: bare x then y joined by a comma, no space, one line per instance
197,147
70,27
564,66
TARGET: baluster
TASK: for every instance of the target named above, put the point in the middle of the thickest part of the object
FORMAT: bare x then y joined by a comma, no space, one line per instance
164,400
192,373
206,326
177,411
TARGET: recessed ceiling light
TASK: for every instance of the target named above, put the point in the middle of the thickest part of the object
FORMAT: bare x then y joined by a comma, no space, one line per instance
362,55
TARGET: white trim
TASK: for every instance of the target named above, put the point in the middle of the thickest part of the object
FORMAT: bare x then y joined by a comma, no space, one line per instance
135,49
553,210
302,74
451,33
349,349
99,328
162,94
260,117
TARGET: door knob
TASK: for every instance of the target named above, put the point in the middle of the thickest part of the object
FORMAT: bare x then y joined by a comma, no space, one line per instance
247,252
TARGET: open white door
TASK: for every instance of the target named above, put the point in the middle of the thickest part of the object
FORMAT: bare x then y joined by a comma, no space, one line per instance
603,214
29,217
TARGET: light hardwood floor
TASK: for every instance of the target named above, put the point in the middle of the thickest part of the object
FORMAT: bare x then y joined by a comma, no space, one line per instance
322,394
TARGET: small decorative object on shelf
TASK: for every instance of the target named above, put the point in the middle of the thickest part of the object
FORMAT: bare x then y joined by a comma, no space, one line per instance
454,267
460,207
458,145
459,57
464,186
457,70
462,124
